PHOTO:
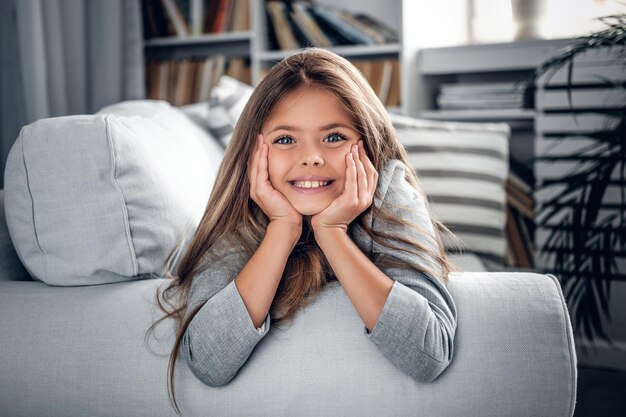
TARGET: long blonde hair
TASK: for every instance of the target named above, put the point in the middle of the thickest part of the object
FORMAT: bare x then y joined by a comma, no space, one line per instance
231,212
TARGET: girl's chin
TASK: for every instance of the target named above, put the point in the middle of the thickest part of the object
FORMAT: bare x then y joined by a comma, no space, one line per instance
309,211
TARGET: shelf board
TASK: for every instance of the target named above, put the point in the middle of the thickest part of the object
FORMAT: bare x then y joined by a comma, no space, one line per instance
480,115
510,56
225,37
390,50
229,44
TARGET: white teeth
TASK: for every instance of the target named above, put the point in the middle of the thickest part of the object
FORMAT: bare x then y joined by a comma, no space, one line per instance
310,184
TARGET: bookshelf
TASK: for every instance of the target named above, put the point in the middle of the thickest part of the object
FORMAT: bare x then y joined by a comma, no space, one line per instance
252,46
512,62
478,68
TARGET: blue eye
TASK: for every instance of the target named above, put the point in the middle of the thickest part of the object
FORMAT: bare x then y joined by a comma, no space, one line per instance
281,138
337,134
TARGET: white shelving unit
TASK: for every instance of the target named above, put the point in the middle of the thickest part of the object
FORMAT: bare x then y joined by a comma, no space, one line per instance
486,63
253,44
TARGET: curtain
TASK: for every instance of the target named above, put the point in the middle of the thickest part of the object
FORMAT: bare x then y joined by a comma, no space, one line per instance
63,57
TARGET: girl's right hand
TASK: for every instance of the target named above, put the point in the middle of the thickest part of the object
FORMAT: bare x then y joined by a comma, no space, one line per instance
273,203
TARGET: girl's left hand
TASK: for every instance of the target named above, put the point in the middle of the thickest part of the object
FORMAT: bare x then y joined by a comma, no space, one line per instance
358,193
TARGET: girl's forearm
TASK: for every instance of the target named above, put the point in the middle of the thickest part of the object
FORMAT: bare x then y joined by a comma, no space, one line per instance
365,284
258,280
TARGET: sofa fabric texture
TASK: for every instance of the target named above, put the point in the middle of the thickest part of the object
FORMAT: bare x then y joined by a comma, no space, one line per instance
129,181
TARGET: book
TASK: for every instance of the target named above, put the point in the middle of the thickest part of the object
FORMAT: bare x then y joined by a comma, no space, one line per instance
365,66
303,17
371,33
393,100
164,79
172,79
176,18
196,17
156,23
219,66
181,82
230,16
498,95
332,18
299,31
236,67
335,36
385,80
390,35
205,76
280,23
241,15
210,13
219,24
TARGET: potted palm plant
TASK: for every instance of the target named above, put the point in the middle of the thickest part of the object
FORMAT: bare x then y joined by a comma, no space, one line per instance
584,250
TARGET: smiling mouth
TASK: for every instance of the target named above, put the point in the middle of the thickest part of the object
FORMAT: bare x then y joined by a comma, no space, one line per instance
311,184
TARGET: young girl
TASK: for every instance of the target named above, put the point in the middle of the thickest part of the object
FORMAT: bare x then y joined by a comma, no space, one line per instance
298,203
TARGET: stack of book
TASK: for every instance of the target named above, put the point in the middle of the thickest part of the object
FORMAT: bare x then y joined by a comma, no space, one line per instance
186,81
473,96
184,18
297,24
520,223
383,76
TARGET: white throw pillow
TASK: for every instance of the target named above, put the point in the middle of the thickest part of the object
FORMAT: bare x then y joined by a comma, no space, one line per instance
102,198
463,169
228,99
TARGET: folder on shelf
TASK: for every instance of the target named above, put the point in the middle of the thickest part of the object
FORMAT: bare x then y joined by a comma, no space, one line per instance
390,35
358,25
333,20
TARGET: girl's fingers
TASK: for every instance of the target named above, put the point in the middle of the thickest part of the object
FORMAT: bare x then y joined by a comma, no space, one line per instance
351,186
254,163
372,175
262,171
361,176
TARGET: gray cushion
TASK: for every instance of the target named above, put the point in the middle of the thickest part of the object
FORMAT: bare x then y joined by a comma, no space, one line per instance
514,356
11,269
463,168
101,198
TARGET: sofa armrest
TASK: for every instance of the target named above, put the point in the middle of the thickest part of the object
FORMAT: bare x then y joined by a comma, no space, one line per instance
514,355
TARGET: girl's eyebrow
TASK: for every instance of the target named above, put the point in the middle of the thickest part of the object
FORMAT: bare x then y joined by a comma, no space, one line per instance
321,128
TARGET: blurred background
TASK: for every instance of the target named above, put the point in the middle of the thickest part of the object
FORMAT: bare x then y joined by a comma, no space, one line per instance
553,70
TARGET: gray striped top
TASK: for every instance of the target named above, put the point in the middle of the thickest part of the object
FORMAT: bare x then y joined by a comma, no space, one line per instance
415,330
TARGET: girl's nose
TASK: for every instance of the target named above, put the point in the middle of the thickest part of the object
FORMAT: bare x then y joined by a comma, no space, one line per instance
312,159
311,156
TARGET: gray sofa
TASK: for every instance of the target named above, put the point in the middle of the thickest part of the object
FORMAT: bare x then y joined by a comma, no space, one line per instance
75,307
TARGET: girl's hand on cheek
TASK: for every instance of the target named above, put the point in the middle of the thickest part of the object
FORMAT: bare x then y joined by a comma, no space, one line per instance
360,184
273,203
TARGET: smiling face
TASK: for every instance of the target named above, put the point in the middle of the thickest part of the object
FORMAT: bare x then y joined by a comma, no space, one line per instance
309,134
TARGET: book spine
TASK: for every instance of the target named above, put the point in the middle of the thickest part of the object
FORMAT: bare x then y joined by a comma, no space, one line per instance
175,16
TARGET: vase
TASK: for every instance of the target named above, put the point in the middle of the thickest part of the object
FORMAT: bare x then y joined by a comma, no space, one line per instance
527,16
